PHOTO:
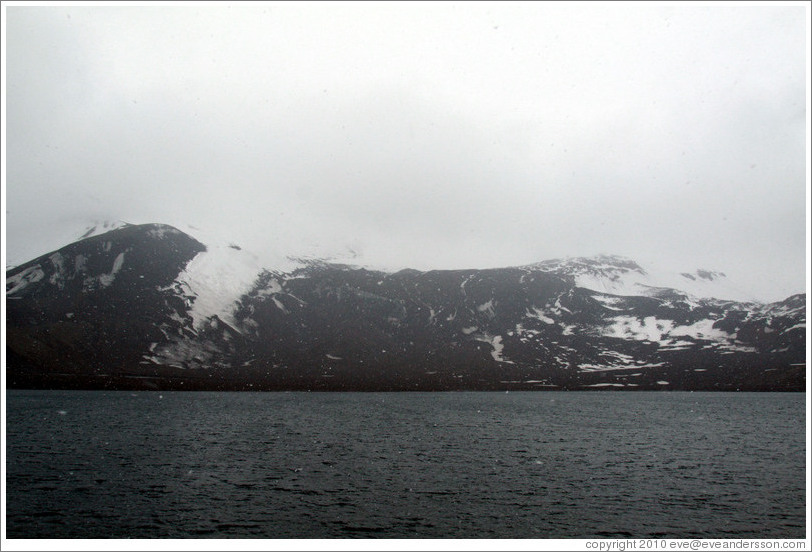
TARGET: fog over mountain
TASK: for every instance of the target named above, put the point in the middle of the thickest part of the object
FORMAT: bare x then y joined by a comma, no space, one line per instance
420,135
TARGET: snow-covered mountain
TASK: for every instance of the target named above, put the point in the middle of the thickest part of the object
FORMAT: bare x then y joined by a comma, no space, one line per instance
621,276
149,306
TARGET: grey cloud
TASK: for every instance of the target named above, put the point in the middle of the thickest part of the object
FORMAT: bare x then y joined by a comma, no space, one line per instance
422,137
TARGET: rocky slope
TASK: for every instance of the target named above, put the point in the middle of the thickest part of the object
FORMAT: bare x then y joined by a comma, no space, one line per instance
149,307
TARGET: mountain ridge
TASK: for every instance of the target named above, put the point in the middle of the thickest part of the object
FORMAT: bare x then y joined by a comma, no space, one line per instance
148,306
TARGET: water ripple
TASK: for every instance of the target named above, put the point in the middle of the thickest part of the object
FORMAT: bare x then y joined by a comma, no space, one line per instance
407,465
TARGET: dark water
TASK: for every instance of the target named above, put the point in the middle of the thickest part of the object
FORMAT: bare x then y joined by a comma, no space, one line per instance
399,465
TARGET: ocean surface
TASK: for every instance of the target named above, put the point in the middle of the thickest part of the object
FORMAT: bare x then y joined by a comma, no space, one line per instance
95,464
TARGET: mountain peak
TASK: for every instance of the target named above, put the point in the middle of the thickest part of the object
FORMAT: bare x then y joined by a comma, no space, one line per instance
598,264
96,228
618,275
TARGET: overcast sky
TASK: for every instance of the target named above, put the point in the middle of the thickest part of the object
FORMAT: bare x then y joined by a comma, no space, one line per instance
429,135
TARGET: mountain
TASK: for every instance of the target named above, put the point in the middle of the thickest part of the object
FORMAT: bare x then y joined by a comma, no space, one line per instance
620,276
150,307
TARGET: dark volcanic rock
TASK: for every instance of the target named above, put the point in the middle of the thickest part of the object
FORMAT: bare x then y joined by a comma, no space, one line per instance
90,309
111,311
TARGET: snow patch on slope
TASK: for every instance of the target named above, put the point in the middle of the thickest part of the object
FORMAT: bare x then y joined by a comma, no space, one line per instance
217,278
221,275
701,284
666,333
631,327
496,344
106,279
487,308
18,282
538,314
